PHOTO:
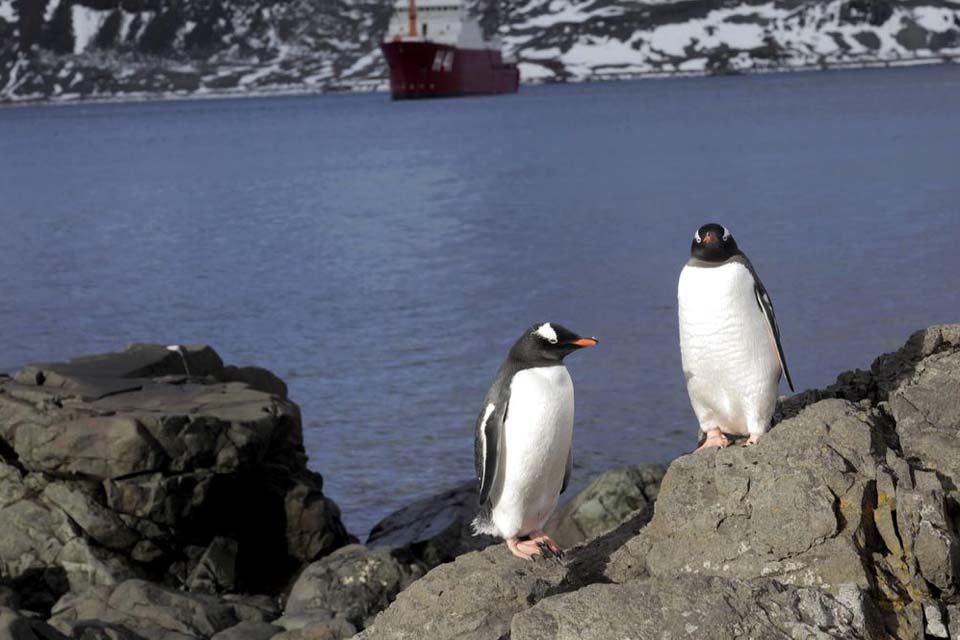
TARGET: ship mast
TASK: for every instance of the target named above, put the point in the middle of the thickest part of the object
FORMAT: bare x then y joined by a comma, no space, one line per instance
413,18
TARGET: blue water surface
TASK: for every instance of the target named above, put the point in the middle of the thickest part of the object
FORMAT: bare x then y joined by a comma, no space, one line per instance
381,257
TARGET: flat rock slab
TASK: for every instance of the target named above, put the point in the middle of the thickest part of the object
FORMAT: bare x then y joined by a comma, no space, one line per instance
137,361
688,607
158,426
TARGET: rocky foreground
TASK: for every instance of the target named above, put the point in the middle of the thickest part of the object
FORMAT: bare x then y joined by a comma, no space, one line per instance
162,495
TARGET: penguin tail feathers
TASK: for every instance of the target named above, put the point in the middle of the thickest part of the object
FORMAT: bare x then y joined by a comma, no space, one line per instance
483,525
483,528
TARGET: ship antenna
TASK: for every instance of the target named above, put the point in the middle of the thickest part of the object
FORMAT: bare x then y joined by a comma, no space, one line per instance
413,18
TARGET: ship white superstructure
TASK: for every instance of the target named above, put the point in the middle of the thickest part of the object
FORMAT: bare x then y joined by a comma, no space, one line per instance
441,21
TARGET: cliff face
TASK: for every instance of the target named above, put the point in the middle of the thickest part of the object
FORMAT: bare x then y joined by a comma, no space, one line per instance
65,49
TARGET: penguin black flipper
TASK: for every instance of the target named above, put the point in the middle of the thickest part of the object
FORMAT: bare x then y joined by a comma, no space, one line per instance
567,472
766,306
487,437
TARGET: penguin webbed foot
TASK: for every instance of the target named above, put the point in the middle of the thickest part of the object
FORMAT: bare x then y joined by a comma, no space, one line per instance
536,544
523,549
752,440
715,438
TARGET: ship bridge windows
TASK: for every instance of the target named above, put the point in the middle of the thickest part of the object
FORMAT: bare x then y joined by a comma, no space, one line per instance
436,21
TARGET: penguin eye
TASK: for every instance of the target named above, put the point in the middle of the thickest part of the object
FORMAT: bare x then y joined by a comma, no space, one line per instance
552,340
696,237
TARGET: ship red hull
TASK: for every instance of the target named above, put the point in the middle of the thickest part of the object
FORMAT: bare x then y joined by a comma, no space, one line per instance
432,70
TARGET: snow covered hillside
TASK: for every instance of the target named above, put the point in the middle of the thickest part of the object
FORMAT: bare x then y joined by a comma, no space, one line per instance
570,39
63,49
104,48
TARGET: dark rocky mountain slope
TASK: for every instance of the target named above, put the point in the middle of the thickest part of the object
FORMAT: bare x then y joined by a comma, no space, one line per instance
69,49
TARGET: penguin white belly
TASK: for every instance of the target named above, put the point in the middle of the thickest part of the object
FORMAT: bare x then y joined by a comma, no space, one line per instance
536,442
729,357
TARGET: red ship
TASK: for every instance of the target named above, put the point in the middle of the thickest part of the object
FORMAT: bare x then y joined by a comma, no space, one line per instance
437,50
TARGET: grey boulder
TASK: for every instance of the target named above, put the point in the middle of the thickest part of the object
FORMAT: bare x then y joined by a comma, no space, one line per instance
43,548
352,584
14,626
926,409
605,503
473,598
216,570
158,464
248,631
147,609
436,529
789,507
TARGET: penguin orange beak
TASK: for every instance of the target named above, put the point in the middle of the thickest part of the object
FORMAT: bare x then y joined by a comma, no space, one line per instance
585,342
710,237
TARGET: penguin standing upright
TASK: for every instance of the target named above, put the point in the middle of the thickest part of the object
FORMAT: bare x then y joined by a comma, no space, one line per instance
522,440
729,340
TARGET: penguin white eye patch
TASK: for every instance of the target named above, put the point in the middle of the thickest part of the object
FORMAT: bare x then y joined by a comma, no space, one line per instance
699,240
547,332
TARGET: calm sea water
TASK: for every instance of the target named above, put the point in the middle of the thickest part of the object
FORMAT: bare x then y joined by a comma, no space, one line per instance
381,257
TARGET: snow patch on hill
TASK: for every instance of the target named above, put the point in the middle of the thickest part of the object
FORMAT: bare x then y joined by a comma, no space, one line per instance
750,36
6,11
86,24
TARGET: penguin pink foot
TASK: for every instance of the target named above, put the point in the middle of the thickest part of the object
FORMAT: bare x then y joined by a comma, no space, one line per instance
715,438
547,545
752,440
537,543
522,548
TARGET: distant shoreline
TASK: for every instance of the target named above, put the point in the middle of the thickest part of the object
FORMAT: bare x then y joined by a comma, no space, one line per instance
381,85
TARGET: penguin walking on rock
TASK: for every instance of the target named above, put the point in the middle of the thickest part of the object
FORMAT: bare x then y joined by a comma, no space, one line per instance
523,437
729,340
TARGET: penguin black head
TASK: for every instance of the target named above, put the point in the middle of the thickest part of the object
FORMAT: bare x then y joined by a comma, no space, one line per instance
713,243
547,341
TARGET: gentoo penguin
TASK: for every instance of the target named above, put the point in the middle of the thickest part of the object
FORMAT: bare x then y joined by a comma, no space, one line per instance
522,440
729,340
